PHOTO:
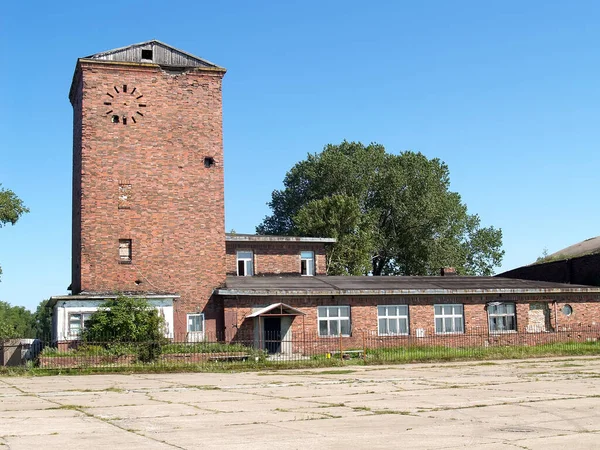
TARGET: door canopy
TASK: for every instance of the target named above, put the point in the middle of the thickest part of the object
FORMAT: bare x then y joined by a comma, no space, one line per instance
277,309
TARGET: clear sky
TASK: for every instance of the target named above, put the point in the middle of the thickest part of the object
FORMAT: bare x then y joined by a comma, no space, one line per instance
506,93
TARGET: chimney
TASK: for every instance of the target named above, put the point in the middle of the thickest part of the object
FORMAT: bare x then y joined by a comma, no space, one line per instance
448,272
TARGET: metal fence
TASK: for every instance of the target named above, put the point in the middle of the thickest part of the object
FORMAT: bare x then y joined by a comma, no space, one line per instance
270,350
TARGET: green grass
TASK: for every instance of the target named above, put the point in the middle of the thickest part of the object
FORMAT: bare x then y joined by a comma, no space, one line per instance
439,353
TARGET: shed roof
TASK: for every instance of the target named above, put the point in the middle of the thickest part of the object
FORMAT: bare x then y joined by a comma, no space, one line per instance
393,285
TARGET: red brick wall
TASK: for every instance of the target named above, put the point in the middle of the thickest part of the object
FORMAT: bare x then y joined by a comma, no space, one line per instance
276,258
175,217
76,192
586,313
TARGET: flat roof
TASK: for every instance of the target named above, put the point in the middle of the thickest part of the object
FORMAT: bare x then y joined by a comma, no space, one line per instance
234,237
109,295
392,285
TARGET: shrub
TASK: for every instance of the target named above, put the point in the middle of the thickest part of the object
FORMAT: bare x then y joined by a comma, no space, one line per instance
123,321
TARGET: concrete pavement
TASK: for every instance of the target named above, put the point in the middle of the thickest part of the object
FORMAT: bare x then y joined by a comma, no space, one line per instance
529,404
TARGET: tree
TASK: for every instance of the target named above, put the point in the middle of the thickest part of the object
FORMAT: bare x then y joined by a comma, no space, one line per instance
11,208
42,321
127,320
15,322
391,214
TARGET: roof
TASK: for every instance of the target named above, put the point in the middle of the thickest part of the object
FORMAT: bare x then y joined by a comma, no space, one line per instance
234,237
589,246
159,52
277,309
393,285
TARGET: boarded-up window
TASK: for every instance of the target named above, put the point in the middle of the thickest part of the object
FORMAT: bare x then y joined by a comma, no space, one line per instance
125,251
124,196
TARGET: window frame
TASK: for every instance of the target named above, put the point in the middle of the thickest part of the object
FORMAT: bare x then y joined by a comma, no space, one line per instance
248,263
306,259
82,321
505,315
337,319
396,317
196,334
443,316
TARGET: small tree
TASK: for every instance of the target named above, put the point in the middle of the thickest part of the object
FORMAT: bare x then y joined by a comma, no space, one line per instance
127,320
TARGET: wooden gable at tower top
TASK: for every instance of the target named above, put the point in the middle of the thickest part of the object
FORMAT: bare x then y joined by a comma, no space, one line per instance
153,52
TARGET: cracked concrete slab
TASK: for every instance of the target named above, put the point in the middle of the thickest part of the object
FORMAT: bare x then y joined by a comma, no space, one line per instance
529,404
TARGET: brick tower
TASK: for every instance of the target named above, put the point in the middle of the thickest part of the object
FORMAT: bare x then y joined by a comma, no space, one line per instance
148,194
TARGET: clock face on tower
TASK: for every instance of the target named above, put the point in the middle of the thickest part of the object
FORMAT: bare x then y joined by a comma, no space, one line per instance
124,105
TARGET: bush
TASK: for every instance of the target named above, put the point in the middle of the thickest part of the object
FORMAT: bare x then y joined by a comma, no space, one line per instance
123,321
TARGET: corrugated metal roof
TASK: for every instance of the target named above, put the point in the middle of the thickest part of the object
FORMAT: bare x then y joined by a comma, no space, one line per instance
346,285
155,52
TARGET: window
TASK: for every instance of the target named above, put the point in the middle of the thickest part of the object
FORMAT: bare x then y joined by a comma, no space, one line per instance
392,320
195,326
125,251
333,320
245,263
448,319
567,310
77,323
307,263
501,317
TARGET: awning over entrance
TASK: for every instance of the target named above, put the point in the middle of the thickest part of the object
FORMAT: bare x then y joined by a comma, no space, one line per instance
277,309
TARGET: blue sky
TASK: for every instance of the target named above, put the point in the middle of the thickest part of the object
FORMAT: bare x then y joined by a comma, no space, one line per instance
506,93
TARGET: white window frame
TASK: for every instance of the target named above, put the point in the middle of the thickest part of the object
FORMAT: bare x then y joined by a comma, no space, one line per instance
84,316
453,316
248,263
400,315
309,261
333,314
492,310
194,335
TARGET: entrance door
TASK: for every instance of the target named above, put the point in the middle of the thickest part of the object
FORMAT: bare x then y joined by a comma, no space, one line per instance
272,334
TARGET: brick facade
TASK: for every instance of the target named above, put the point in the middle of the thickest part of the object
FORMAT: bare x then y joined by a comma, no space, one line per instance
364,317
276,258
174,212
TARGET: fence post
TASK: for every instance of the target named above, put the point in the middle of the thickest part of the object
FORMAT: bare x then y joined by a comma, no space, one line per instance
364,347
341,350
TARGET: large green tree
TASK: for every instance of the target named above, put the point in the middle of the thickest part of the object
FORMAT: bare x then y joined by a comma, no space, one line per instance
11,208
15,322
391,214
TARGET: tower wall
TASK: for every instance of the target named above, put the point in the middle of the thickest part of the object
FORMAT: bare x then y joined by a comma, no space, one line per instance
146,181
